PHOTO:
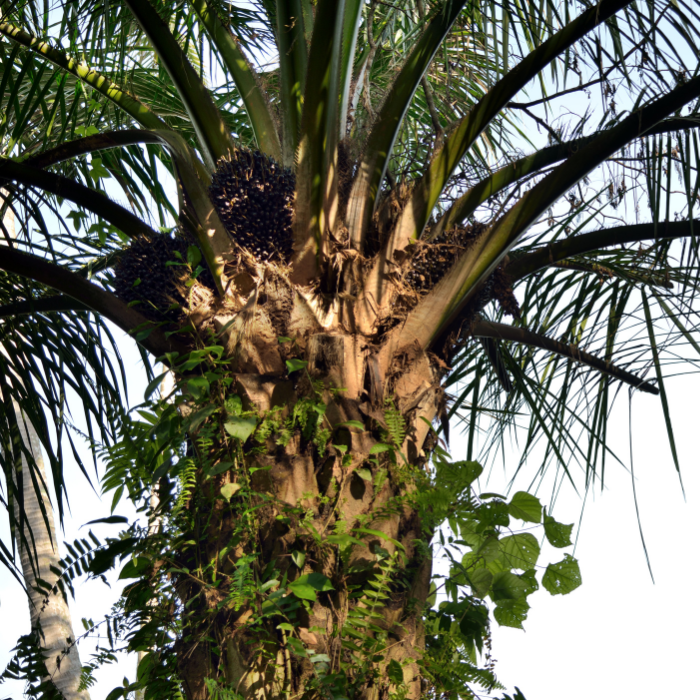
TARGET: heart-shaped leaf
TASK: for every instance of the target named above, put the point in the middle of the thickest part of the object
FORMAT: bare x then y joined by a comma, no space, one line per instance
241,428
525,506
228,490
563,577
557,534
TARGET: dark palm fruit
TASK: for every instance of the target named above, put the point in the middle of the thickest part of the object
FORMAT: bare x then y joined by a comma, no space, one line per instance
254,197
143,276
432,259
503,292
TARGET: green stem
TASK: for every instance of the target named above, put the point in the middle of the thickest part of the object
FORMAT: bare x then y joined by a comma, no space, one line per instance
317,155
100,301
138,111
380,142
293,56
212,133
351,27
255,101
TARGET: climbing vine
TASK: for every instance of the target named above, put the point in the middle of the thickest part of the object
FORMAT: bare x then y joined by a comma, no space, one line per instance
199,465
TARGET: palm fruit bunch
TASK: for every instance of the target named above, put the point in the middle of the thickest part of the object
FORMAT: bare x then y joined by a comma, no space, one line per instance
432,258
153,275
502,292
254,197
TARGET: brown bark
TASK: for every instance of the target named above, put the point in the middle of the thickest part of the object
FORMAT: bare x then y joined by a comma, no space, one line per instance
304,497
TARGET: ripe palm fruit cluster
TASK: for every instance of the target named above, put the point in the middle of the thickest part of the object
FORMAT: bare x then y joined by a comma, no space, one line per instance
434,257
503,293
254,197
152,273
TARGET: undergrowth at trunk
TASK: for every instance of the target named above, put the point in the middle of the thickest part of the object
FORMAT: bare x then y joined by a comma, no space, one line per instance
288,554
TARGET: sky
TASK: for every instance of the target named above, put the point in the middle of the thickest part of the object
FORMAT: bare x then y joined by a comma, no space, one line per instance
621,634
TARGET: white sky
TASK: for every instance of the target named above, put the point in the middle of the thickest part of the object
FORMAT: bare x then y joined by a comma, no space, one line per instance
620,635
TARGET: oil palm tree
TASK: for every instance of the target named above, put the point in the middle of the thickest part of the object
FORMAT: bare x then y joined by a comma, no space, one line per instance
50,619
356,216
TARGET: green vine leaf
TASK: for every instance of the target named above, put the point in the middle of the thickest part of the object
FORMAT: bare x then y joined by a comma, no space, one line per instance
241,428
294,365
525,506
493,514
194,255
308,585
563,577
198,387
98,171
480,580
507,586
530,579
557,534
456,476
198,417
135,568
352,424
511,613
520,551
220,468
379,447
229,490
394,672
485,551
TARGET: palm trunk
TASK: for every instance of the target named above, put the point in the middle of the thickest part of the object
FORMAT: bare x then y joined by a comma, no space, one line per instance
366,623
49,615
261,661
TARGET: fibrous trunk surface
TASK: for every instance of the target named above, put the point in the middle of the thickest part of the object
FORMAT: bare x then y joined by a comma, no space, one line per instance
305,477
48,612
328,502
319,500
